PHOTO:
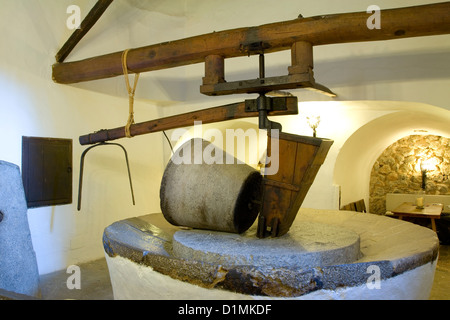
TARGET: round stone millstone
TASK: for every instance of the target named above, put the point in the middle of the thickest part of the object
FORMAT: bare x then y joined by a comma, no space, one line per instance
308,244
212,196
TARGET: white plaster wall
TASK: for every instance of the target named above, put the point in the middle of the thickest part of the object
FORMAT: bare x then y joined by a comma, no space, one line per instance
32,105
406,70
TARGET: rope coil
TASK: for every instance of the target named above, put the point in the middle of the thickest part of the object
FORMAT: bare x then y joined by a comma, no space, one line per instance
131,91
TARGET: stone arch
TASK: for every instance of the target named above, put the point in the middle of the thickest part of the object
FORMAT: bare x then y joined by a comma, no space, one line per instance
397,169
360,151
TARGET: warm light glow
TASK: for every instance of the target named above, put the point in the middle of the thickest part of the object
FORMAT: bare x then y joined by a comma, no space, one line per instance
428,164
334,116
313,122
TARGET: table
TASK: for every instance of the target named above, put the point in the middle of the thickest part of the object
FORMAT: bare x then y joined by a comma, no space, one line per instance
431,211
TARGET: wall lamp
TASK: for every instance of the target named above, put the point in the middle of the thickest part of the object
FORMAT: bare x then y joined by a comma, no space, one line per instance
426,165
313,122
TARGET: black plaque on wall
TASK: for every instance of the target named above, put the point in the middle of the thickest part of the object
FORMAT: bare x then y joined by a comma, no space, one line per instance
47,171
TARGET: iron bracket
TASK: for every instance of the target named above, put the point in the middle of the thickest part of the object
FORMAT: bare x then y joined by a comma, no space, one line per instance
83,155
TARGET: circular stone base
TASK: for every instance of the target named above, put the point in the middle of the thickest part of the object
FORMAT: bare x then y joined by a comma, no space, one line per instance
308,244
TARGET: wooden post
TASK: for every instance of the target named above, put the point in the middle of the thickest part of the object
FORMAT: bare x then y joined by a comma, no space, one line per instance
214,69
301,58
214,72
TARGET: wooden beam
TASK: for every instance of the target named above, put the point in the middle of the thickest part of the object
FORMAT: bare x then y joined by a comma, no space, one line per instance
210,115
86,25
426,20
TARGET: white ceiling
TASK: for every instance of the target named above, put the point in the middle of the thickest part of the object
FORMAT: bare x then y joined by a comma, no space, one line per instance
171,7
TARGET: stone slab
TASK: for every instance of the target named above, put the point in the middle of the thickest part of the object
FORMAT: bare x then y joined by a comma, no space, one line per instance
306,245
18,264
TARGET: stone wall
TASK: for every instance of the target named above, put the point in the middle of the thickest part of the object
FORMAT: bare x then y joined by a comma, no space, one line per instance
397,170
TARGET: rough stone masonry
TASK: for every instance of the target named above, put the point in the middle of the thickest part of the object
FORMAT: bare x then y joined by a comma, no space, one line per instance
397,169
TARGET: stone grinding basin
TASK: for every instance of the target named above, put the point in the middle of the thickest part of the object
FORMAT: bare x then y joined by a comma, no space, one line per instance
148,258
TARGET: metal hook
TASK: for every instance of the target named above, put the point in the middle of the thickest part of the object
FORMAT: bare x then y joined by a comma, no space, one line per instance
80,183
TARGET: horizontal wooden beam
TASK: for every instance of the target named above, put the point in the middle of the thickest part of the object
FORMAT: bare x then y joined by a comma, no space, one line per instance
210,115
426,20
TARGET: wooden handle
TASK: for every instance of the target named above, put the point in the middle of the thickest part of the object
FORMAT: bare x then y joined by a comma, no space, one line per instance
210,115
